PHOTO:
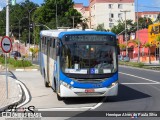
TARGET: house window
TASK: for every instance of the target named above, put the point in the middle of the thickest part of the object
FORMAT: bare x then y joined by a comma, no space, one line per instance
111,25
111,15
145,15
120,6
110,6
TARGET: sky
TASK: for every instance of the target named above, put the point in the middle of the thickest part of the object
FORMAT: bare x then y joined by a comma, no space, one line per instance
143,5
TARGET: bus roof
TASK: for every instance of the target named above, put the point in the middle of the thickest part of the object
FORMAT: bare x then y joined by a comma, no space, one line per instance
61,32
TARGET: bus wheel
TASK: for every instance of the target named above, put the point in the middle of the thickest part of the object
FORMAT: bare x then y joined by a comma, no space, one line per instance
59,98
54,89
45,81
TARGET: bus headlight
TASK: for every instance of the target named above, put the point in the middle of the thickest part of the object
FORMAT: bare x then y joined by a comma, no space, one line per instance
113,84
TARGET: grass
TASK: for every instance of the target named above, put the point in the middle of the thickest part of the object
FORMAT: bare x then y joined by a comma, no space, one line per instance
11,67
139,65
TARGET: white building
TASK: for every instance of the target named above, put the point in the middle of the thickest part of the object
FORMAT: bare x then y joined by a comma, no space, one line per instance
84,10
109,12
148,14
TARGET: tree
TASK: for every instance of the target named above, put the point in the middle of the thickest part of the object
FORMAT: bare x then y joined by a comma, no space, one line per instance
120,28
17,13
122,46
144,22
34,51
74,17
148,45
25,36
100,27
46,14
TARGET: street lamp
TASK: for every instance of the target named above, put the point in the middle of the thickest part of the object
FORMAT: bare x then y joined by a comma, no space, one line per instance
138,35
29,12
19,22
125,11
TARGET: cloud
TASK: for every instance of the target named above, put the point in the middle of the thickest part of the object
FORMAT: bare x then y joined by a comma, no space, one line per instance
1,8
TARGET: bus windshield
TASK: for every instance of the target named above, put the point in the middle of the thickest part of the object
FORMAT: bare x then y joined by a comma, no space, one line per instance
88,58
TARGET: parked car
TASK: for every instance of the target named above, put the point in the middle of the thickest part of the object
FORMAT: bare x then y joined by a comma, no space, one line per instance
120,57
15,54
126,59
123,58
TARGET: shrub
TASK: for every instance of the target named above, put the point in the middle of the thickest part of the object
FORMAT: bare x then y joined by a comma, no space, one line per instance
22,63
2,60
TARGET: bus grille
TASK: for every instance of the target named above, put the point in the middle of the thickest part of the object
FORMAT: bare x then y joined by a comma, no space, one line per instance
89,80
91,94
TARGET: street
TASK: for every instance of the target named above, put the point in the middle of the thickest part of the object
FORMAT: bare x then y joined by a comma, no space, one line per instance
139,90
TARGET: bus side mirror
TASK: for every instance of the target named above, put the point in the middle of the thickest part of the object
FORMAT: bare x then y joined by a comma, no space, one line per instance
58,49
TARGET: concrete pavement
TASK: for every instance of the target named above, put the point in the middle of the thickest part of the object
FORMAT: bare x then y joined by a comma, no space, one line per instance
14,91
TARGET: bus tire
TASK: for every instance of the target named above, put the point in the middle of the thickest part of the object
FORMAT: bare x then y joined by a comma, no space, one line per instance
45,81
54,88
59,97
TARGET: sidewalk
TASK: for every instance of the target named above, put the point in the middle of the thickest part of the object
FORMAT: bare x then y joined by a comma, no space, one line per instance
14,91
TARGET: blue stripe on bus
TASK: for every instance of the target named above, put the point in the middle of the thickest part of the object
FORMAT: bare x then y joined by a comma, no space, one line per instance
76,84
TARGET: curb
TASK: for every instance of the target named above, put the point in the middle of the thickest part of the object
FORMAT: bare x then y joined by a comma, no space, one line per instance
21,94
21,70
139,68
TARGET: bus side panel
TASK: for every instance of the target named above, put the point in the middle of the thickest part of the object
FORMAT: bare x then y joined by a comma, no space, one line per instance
51,71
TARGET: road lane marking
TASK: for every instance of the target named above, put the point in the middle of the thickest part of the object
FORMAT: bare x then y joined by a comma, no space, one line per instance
27,98
139,68
79,108
99,104
140,83
139,77
63,108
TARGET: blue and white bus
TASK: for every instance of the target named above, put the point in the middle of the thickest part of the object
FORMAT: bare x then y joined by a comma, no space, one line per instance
78,63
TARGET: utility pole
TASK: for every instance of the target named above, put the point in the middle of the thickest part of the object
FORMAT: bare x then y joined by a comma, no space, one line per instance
56,16
7,18
73,21
138,36
125,11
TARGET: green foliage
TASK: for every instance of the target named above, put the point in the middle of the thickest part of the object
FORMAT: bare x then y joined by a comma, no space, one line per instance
46,14
122,46
133,64
2,60
147,45
22,63
100,27
17,23
158,39
144,22
16,63
120,28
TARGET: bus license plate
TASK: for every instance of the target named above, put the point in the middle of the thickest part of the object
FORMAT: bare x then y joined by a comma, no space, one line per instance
89,90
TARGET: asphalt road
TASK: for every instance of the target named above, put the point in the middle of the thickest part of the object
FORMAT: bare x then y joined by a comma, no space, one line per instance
139,90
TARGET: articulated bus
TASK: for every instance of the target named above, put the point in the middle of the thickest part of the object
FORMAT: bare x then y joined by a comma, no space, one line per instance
79,63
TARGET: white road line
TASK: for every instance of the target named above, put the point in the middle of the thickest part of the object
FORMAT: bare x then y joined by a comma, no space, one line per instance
139,77
139,68
79,108
52,109
99,104
26,94
140,83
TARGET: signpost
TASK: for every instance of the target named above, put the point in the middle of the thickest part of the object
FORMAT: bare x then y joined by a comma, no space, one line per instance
6,45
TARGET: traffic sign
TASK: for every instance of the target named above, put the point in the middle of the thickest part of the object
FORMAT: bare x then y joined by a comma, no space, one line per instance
6,44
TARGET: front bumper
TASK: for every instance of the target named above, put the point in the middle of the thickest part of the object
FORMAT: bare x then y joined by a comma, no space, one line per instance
78,92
